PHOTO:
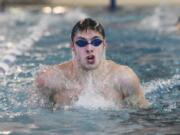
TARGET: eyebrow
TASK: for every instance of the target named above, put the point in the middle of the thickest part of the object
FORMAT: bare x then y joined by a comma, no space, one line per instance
86,39
81,38
95,37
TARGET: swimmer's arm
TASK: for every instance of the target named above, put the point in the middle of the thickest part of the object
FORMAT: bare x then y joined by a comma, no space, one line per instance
41,83
45,81
132,92
40,79
51,90
47,78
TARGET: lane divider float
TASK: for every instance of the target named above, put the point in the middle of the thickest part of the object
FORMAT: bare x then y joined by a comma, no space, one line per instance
24,45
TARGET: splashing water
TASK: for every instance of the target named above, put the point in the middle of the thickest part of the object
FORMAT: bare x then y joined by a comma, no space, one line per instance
162,20
164,94
21,112
90,98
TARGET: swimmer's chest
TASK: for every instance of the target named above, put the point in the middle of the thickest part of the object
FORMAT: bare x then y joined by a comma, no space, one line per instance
107,89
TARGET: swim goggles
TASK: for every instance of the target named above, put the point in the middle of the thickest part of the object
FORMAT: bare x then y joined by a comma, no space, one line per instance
84,42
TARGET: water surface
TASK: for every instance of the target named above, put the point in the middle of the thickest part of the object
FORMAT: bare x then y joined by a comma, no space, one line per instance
144,39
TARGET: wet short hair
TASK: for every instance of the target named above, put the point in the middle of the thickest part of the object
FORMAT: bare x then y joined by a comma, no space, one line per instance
87,24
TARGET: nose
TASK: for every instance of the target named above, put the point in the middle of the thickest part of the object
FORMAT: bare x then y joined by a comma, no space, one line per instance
89,48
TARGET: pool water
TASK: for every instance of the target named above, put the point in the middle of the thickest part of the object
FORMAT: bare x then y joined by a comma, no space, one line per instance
144,39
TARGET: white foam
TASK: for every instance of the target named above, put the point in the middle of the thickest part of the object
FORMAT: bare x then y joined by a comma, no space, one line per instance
15,52
91,98
23,45
5,132
4,66
10,58
161,20
161,83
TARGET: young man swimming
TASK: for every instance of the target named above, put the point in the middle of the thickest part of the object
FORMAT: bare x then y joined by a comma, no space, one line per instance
63,84
178,24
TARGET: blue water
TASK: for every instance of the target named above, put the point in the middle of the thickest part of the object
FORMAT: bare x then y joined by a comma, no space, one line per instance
144,39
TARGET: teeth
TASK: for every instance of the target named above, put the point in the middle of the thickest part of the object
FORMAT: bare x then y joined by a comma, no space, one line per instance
90,57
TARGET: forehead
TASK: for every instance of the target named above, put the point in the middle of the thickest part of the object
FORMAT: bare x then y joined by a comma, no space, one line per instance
88,34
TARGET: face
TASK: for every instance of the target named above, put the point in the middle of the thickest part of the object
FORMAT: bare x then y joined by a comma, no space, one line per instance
89,56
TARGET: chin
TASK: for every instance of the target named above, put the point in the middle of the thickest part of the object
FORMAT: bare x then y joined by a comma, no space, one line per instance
90,67
87,66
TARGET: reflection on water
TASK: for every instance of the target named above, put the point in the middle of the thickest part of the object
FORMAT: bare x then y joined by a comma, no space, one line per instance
152,54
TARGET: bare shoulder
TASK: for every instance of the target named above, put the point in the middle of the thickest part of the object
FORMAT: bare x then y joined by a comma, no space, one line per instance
65,66
128,85
127,78
123,71
124,76
47,75
56,69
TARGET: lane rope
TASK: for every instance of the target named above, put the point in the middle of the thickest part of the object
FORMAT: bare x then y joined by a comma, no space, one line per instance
24,45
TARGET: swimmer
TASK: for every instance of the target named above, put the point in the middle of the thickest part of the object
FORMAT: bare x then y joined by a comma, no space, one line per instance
63,83
178,24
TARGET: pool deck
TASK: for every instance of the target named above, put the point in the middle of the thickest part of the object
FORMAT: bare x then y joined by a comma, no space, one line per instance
119,2
93,3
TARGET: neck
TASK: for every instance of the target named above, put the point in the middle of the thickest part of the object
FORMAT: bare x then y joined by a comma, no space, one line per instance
84,74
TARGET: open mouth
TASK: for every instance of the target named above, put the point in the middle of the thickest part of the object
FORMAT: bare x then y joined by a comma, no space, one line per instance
90,59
